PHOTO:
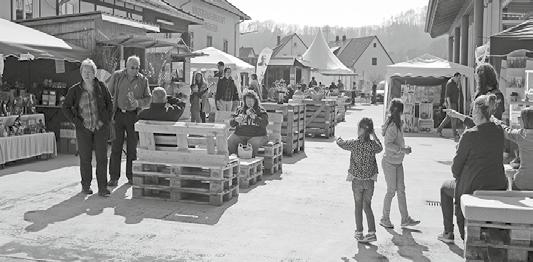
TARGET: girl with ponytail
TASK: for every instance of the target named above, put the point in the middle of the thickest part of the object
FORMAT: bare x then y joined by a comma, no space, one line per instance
392,164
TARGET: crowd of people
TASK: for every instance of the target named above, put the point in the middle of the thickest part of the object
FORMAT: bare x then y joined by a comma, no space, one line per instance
108,111
477,165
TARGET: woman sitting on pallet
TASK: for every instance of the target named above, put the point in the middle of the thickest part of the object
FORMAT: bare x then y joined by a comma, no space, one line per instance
250,122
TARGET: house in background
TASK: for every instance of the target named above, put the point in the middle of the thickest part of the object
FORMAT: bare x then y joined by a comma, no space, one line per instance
286,63
248,55
220,28
366,56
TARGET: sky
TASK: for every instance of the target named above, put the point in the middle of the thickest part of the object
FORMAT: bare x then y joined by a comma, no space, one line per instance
351,13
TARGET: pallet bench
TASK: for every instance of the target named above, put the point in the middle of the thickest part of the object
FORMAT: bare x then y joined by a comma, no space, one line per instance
498,226
320,118
181,161
293,127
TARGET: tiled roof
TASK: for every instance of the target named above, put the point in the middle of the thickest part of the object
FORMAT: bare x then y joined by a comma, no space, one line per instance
350,50
164,7
283,42
226,5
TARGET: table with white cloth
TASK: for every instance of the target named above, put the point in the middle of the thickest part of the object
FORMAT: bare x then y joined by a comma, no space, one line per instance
26,146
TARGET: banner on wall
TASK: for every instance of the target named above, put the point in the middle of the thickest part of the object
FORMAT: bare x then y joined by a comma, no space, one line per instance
262,63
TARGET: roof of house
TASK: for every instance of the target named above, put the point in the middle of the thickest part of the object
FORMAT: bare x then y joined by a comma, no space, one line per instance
247,52
284,42
350,51
164,7
226,5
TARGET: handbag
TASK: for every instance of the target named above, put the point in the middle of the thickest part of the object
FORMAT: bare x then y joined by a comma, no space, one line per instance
245,151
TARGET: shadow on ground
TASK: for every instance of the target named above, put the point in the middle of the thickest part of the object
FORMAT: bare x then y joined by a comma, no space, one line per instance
407,246
367,253
37,165
294,158
14,251
133,210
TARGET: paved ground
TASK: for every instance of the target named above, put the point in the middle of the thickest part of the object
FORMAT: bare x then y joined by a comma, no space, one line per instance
304,215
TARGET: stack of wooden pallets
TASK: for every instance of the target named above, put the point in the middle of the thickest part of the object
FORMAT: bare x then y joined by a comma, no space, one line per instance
340,107
320,118
293,127
181,161
499,226
272,155
251,171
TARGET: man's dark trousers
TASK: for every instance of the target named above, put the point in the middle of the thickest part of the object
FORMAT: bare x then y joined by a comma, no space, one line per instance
124,123
87,142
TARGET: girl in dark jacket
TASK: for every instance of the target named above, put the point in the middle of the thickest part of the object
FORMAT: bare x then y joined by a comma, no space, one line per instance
89,106
250,122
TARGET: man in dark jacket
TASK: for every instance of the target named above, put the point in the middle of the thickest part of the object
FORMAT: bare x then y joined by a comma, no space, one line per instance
159,109
227,95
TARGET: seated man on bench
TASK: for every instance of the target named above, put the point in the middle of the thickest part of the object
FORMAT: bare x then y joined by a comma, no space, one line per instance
159,109
250,122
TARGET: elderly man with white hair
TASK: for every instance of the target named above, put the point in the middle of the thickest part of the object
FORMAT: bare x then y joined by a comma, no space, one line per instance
131,92
159,109
88,105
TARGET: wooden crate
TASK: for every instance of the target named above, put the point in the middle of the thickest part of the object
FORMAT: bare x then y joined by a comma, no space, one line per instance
183,143
250,171
340,107
496,241
320,118
293,125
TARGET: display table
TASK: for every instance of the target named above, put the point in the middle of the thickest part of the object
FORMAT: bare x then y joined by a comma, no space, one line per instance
20,147
8,120
53,116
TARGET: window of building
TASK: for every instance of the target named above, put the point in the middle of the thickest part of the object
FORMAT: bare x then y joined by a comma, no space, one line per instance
119,3
104,9
375,44
225,47
209,41
119,12
374,61
109,1
69,7
23,9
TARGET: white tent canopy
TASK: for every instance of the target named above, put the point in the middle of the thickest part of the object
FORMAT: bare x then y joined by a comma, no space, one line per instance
320,57
428,66
212,56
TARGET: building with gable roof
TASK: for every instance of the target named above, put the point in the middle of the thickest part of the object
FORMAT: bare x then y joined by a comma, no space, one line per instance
366,56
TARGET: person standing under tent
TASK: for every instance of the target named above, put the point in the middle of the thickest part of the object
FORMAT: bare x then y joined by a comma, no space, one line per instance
340,86
451,101
131,92
227,95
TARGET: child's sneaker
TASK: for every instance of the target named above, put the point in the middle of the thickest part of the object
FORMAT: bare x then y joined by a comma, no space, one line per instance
370,237
386,223
359,236
409,222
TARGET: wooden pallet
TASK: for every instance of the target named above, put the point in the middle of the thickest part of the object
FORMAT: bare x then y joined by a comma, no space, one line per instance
495,241
173,194
192,172
293,124
190,144
273,165
251,171
270,150
320,118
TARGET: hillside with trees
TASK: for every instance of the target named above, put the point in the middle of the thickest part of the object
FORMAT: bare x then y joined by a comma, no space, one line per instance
402,35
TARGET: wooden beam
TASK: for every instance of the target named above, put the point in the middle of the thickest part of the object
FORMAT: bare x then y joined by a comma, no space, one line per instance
466,9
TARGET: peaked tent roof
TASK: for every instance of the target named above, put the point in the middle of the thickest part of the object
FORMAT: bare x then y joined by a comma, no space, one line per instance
514,38
212,56
428,66
22,40
319,56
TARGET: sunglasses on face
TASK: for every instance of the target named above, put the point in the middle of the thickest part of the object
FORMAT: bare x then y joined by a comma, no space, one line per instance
134,68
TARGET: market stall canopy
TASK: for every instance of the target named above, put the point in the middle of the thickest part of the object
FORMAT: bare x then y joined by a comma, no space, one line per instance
211,56
428,66
319,56
514,38
20,40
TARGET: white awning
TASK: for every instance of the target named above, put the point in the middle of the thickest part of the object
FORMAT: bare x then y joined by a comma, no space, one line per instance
128,22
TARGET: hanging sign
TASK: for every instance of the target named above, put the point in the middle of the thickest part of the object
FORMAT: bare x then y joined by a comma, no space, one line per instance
60,66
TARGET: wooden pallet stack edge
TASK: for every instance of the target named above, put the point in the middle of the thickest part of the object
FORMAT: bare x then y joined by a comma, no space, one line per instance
293,127
320,118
